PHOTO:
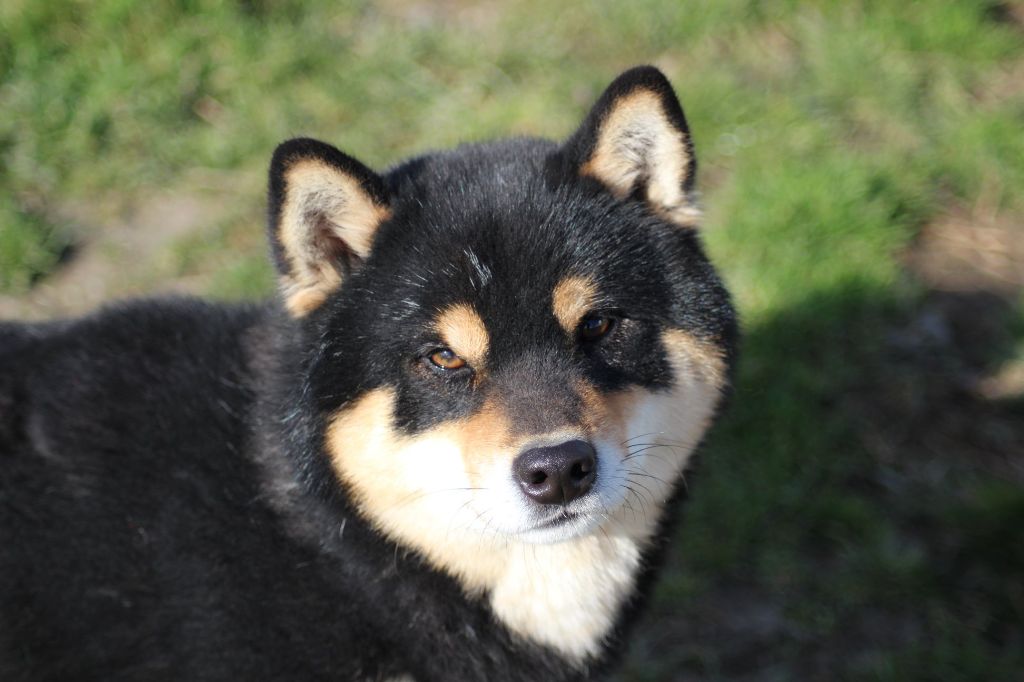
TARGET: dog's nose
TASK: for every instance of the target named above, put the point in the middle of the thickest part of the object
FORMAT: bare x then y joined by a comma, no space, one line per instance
557,474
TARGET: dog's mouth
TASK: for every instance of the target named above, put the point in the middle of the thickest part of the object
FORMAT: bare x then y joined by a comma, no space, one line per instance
562,518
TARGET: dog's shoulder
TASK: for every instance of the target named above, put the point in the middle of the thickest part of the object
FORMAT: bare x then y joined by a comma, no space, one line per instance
125,383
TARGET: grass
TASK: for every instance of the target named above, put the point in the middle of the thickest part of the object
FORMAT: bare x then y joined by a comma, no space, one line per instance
829,135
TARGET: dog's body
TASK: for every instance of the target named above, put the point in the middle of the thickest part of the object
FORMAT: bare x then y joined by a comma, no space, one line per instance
447,456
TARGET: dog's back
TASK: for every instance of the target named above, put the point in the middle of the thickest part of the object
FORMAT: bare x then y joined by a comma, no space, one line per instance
124,504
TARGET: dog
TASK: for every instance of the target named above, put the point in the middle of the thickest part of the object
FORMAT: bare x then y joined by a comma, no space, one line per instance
449,450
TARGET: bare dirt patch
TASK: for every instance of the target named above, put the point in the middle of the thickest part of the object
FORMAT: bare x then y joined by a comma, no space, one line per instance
1008,12
970,251
121,251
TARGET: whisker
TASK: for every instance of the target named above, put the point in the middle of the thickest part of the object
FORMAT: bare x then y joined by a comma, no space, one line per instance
643,506
652,446
658,440
420,494
454,517
642,435
635,455
647,490
651,476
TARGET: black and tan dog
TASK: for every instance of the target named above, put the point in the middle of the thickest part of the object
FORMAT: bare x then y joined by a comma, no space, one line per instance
448,453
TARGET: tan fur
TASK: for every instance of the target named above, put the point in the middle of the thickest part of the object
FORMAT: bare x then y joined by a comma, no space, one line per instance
484,439
301,300
571,299
430,493
405,485
564,595
595,406
701,357
316,190
637,142
462,329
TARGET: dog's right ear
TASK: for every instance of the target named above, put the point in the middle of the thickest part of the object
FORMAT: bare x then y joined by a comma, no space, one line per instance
325,208
636,143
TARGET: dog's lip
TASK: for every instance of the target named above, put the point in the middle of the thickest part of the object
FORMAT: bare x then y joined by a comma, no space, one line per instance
564,516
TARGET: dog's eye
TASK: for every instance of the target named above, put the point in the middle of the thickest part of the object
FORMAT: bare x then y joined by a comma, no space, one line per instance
594,327
446,358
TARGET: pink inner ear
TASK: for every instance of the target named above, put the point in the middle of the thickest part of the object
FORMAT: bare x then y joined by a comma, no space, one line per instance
640,152
327,245
326,227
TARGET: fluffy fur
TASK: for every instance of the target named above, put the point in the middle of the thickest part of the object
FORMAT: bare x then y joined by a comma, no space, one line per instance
324,487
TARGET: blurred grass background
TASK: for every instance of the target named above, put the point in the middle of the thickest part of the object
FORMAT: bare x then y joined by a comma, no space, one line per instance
859,513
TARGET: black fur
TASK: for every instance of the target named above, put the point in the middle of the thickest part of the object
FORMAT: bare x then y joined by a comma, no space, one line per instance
166,509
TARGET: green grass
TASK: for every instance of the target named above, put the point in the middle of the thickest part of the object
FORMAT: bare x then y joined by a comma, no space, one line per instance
828,133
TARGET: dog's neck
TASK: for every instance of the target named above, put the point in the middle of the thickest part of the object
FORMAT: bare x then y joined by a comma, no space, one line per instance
565,595
568,595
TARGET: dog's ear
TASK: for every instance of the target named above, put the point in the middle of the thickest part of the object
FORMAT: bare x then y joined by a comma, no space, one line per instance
325,208
636,143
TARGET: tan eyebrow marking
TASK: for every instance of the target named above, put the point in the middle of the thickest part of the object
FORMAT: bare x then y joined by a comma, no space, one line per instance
463,330
571,299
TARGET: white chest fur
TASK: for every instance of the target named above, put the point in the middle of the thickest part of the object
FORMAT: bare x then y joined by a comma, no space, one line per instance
567,595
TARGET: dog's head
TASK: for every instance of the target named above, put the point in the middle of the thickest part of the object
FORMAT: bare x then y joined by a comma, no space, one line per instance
515,342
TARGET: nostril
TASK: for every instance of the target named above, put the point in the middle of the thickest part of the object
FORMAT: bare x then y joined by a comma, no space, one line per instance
557,474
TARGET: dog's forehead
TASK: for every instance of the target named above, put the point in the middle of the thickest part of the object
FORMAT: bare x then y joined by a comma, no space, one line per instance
494,204
509,277
491,234
515,250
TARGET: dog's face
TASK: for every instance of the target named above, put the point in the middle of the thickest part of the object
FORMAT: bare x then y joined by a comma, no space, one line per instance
509,343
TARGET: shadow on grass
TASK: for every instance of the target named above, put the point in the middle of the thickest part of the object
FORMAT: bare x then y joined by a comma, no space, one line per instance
857,513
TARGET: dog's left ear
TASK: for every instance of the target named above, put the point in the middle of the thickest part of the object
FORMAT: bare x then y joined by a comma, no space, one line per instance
636,143
325,208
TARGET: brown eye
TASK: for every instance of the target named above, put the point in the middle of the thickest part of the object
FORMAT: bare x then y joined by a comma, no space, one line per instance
594,327
447,359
